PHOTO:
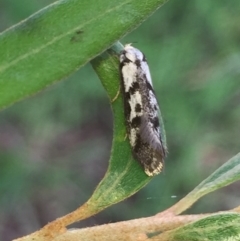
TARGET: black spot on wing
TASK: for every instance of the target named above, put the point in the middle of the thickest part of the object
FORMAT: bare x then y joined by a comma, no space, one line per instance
127,109
136,121
132,91
149,86
134,88
127,95
138,108
138,144
138,62
155,122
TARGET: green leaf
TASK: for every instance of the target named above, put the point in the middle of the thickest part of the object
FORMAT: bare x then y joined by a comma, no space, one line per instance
223,176
218,227
57,40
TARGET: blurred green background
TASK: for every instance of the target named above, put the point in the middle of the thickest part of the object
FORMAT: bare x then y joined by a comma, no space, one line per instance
55,146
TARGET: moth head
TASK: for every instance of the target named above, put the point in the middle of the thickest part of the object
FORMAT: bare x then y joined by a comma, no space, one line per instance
131,54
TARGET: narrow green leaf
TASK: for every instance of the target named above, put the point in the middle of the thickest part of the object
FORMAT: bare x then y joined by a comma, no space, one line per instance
60,38
219,227
223,176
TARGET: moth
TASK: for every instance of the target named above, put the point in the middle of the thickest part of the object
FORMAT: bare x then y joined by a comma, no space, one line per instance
141,111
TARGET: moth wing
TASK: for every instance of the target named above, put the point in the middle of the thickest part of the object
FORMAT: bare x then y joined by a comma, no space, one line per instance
150,135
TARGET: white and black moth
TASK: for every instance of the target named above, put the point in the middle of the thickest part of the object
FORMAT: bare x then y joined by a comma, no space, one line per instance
141,111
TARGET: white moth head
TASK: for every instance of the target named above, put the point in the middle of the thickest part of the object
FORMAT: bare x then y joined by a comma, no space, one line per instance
131,54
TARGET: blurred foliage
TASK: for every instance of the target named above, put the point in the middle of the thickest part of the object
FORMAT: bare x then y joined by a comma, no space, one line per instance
54,147
209,229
